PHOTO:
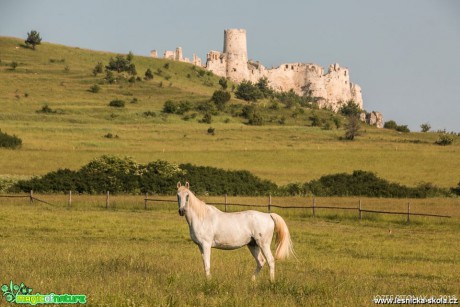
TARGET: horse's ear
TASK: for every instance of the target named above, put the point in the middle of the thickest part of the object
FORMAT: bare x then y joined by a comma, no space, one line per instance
187,185
179,184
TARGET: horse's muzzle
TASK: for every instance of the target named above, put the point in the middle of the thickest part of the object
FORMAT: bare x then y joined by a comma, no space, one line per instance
181,212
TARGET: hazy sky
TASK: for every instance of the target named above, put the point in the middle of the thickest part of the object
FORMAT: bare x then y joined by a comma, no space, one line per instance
405,55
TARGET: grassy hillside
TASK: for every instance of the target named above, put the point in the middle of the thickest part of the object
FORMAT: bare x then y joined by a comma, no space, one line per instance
60,77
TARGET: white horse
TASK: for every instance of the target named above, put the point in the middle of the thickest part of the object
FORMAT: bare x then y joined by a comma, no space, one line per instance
210,227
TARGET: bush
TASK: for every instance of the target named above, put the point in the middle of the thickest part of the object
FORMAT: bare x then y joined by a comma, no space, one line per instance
207,119
391,124
117,103
98,69
252,114
403,128
350,109
223,83
148,74
444,139
248,91
169,107
362,183
47,110
220,97
95,88
9,141
13,65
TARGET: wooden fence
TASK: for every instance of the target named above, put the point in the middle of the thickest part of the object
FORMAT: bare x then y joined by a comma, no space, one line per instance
313,207
268,206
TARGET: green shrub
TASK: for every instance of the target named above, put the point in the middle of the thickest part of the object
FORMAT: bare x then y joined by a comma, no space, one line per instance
444,139
148,74
246,90
13,65
220,98
350,109
95,88
362,183
98,69
117,103
211,130
9,141
150,114
223,83
169,107
46,109
403,128
391,124
207,119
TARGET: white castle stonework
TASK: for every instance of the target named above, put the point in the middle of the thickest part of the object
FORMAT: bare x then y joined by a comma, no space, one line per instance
332,88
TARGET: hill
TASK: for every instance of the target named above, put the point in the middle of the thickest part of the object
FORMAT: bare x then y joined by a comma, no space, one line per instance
47,102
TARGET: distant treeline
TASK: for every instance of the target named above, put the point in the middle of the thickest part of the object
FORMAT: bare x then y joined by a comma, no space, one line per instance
123,175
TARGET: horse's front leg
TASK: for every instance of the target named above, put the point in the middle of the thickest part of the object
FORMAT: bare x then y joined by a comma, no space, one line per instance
205,250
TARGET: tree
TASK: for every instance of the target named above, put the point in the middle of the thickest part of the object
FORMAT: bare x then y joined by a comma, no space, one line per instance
33,39
425,127
248,91
352,127
263,86
350,109
223,83
148,74
98,68
220,97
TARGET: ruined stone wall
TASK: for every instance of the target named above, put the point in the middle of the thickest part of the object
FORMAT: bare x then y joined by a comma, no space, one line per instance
334,88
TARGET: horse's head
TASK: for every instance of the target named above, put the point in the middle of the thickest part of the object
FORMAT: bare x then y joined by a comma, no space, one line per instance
183,195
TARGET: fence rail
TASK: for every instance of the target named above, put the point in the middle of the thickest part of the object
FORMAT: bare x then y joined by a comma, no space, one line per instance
268,206
314,207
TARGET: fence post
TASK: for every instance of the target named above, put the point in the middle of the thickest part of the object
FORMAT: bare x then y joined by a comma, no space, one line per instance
225,202
70,198
408,213
145,200
313,207
107,200
359,210
31,195
269,203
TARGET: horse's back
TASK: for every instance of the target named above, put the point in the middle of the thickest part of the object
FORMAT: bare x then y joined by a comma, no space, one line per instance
233,230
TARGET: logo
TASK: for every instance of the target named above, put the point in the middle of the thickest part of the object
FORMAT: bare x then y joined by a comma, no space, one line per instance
21,294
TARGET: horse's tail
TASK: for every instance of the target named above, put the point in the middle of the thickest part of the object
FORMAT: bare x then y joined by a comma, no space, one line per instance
283,244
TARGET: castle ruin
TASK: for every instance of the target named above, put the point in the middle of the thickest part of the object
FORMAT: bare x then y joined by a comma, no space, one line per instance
332,88
177,55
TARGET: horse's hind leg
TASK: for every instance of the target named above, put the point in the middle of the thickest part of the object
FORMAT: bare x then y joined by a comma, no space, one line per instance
270,260
260,260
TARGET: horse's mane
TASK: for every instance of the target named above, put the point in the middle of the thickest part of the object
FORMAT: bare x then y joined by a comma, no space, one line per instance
198,206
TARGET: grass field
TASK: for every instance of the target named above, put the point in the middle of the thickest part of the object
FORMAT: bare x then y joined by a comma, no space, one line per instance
132,257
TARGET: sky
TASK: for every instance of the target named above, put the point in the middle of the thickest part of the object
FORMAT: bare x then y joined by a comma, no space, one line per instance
405,55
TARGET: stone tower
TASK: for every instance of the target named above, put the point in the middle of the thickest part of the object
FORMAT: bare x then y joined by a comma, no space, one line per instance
237,55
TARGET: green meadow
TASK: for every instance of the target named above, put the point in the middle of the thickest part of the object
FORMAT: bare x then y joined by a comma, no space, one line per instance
128,256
